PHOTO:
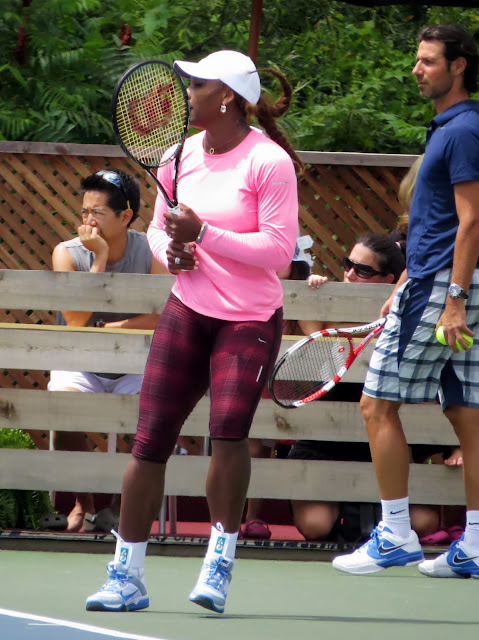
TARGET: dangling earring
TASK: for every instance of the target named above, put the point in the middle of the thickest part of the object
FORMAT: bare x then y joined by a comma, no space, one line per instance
223,108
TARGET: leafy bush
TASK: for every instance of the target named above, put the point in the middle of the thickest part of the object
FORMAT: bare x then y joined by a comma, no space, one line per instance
18,508
350,66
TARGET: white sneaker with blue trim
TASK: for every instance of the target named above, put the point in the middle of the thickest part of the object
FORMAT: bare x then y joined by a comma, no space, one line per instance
459,561
121,592
382,550
212,587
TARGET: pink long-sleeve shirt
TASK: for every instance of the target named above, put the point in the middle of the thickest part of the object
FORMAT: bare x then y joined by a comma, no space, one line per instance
249,198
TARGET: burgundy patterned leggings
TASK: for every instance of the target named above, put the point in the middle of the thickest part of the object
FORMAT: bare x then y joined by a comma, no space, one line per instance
191,352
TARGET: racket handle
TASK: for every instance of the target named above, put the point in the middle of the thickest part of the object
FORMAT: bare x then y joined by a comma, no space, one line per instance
176,211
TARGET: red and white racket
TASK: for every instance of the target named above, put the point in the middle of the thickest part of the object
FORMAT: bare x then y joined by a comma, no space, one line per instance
314,365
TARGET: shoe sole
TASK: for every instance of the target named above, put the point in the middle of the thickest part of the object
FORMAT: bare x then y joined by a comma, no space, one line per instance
374,568
206,603
452,574
95,605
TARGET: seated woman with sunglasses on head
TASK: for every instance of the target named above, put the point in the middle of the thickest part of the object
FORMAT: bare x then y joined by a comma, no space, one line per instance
375,258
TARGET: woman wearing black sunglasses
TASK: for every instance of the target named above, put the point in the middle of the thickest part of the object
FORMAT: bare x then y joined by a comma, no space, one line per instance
374,258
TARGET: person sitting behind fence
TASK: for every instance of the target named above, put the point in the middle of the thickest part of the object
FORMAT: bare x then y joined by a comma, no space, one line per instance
105,243
375,258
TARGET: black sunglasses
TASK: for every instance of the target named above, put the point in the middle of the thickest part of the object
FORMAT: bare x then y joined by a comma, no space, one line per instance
115,179
361,270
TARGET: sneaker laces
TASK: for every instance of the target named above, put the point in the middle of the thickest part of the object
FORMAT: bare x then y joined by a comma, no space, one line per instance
217,574
116,580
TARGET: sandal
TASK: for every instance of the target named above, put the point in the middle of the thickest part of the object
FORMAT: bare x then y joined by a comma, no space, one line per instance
256,530
435,538
105,520
54,521
455,532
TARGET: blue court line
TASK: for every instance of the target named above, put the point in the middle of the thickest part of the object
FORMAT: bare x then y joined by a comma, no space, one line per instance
20,624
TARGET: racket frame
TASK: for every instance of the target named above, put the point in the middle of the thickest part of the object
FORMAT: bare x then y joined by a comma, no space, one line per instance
372,329
172,202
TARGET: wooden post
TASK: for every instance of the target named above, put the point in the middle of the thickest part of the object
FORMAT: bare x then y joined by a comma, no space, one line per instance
254,29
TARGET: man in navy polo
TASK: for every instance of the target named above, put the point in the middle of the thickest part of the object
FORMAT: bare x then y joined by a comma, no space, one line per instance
440,287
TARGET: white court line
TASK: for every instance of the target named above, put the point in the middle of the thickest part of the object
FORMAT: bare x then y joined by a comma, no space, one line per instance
76,625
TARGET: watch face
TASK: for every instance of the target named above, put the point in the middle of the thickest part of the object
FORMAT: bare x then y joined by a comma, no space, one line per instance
454,290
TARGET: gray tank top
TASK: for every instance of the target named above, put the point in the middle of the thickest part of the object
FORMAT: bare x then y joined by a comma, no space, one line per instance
136,259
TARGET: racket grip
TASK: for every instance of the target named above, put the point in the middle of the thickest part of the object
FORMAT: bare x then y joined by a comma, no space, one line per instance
176,211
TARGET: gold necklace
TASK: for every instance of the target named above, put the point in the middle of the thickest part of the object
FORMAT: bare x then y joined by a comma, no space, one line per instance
215,150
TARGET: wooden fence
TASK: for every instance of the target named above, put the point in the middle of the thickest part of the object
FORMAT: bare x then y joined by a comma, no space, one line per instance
42,347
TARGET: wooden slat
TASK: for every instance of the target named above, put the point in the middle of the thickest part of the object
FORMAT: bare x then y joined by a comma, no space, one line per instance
186,475
357,159
138,293
100,350
107,413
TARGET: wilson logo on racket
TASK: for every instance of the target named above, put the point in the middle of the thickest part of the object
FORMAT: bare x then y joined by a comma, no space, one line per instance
151,111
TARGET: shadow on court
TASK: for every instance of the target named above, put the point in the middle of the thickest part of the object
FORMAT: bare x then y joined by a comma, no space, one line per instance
268,599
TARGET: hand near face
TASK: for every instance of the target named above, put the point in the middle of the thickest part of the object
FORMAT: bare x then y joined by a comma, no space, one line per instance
91,239
315,281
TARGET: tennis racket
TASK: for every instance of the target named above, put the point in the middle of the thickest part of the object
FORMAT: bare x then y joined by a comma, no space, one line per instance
314,365
150,113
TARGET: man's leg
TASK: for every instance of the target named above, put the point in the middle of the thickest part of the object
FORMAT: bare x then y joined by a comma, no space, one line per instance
392,543
462,558
84,502
389,449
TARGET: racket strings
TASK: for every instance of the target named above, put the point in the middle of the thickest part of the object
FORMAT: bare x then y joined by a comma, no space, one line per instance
310,367
151,113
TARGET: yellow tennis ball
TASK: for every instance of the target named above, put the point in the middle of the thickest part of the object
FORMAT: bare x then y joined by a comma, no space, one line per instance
440,338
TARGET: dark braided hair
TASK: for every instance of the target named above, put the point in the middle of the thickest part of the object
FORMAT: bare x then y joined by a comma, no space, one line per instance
266,113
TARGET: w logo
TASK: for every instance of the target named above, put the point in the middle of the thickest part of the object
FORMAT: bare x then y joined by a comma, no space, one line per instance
123,555
152,110
220,545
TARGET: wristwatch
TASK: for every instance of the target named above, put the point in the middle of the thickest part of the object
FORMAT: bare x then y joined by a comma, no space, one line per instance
455,291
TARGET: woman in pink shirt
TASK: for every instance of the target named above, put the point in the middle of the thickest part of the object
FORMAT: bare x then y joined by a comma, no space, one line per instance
221,327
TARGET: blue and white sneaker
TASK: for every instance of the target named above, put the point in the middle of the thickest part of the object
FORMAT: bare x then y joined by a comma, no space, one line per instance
212,587
382,550
121,592
459,561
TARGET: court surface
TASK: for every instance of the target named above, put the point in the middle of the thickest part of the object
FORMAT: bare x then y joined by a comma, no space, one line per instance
268,599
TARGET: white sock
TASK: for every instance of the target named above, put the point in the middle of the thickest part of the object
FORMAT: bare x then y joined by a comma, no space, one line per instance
395,515
471,535
221,544
131,555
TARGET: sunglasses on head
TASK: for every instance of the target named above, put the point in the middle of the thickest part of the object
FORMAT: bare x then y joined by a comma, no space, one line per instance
115,179
361,270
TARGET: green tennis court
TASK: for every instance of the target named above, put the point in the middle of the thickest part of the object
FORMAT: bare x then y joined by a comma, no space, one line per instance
268,599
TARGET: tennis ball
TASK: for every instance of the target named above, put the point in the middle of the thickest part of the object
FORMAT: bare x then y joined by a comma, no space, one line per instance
440,338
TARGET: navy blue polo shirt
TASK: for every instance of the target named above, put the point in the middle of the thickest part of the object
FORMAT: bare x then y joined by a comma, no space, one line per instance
451,157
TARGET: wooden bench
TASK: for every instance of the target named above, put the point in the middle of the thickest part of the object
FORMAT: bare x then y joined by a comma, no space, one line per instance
45,347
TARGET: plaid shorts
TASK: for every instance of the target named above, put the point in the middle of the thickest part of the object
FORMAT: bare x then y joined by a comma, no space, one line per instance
191,352
409,365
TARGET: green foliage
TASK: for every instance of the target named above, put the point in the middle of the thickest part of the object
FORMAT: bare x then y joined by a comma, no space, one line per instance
350,66
23,509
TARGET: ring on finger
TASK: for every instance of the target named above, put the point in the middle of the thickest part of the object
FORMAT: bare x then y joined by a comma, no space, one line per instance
177,260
